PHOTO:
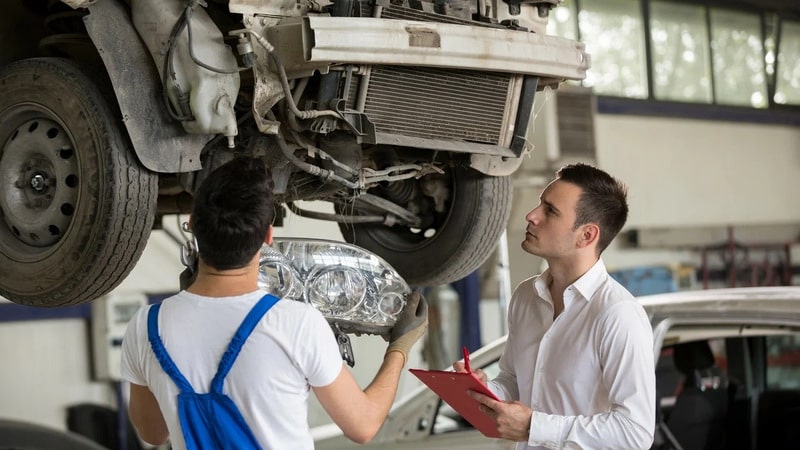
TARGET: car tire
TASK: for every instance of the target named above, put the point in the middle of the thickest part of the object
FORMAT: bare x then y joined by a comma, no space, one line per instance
462,239
76,206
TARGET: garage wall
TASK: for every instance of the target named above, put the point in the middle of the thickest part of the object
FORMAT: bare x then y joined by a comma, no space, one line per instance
686,174
694,173
45,368
680,173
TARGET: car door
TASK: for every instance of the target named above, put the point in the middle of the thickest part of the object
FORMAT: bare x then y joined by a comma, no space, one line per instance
755,397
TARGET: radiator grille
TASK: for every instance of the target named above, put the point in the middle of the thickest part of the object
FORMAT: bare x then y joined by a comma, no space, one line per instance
437,104
366,8
397,12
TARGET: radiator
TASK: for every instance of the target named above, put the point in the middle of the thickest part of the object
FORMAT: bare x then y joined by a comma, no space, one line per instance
438,104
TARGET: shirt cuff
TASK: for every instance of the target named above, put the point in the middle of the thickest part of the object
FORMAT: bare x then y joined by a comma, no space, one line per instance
545,430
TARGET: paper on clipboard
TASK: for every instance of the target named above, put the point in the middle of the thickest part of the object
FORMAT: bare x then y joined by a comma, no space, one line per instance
452,387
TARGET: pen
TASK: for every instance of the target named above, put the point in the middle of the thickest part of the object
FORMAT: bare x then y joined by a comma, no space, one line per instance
466,359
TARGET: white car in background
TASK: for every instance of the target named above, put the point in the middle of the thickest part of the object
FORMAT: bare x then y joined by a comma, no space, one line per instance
740,349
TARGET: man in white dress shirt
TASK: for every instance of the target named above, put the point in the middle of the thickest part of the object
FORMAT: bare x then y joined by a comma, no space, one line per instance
577,370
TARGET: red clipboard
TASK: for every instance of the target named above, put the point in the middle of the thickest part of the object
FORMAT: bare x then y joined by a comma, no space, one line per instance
452,387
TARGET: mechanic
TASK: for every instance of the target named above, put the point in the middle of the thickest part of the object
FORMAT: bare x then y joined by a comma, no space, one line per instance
291,349
578,369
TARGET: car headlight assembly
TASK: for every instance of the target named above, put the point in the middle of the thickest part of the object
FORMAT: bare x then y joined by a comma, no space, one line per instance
356,290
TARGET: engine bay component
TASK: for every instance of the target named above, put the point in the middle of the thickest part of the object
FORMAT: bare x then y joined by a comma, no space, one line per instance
354,289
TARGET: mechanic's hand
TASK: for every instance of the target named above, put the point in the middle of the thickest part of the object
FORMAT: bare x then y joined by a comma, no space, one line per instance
410,325
459,366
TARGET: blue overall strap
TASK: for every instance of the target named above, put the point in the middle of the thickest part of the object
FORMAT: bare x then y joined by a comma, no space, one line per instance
248,324
161,353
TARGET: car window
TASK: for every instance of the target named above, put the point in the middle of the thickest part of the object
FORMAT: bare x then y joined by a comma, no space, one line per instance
783,362
448,420
670,381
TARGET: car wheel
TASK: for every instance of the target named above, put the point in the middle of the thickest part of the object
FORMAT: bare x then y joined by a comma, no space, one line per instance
76,206
456,238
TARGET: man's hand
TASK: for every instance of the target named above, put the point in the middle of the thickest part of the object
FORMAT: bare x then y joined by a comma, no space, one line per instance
459,366
410,325
513,419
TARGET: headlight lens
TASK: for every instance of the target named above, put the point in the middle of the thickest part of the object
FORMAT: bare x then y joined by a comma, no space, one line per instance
351,287
336,291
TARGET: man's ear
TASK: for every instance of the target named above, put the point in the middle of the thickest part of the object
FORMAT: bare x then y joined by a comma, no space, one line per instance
268,238
589,235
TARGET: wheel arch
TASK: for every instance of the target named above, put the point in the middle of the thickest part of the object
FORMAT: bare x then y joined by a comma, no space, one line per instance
475,219
160,143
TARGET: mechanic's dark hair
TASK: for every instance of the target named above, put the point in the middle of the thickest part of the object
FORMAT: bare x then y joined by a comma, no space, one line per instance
232,211
603,200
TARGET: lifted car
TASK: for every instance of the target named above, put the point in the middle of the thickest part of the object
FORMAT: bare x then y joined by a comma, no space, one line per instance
408,115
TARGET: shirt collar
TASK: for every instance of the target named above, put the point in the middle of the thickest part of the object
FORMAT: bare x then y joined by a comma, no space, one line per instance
589,282
586,285
540,285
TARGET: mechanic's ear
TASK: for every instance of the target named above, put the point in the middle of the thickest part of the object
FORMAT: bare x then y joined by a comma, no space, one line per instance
268,239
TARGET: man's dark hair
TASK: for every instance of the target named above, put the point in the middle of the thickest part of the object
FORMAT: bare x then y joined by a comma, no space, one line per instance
232,211
603,200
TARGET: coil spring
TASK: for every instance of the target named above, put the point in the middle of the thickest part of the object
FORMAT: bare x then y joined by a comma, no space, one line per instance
65,29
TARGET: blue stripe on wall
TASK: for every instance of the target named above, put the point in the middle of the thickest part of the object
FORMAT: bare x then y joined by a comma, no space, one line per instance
12,312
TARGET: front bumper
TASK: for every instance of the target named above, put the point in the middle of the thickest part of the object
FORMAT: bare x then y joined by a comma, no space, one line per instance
314,43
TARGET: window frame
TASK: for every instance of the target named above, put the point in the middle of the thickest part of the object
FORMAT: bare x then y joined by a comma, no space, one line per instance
773,113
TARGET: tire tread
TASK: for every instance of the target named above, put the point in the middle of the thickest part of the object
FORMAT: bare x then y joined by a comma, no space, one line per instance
126,198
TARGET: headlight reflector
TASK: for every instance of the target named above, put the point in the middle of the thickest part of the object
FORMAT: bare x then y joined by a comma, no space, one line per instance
353,288
336,291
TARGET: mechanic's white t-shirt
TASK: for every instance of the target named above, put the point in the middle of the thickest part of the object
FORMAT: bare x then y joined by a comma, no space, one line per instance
291,349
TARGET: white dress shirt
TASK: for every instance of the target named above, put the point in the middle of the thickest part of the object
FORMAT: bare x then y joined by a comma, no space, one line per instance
588,376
